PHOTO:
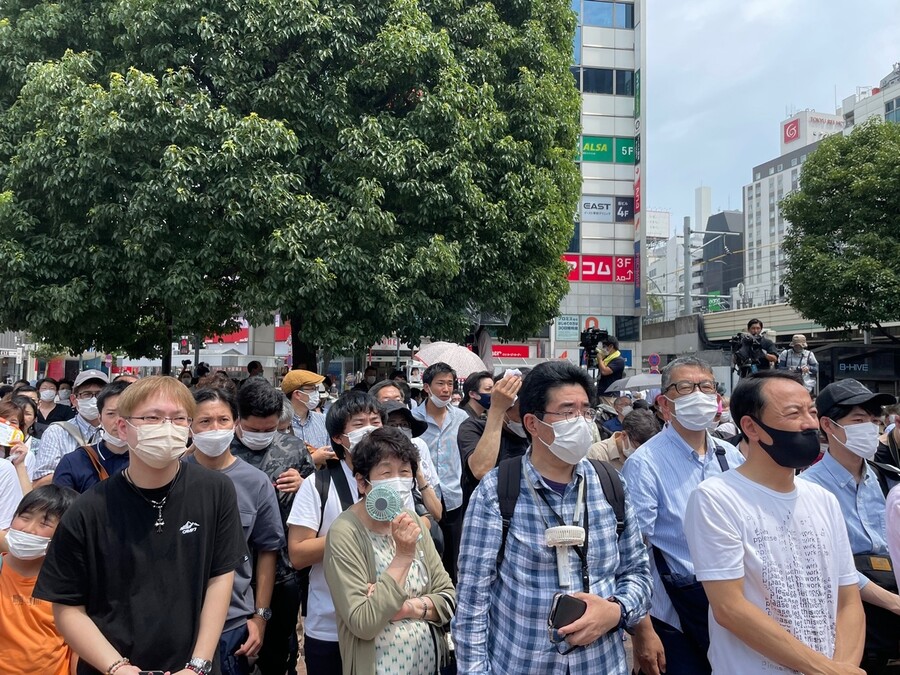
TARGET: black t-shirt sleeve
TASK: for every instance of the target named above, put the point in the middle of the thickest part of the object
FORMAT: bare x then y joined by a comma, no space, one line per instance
617,366
64,577
230,547
467,437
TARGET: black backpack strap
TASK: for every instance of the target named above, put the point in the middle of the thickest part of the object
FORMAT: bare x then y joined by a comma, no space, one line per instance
720,456
509,480
339,478
613,490
323,479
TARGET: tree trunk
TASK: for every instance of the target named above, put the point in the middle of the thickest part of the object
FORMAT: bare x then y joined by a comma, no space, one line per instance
167,346
303,354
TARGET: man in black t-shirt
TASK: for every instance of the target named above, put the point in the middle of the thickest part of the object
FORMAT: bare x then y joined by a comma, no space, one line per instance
611,365
141,567
484,443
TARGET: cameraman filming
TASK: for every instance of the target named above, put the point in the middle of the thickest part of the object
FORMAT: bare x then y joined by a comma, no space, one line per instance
611,367
797,358
755,351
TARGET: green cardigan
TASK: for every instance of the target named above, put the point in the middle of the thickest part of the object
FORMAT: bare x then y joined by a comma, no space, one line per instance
350,567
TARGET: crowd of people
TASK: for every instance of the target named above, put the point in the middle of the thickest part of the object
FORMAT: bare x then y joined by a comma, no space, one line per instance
198,525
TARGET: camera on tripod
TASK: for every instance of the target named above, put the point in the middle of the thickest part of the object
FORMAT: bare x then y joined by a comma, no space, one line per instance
591,338
746,352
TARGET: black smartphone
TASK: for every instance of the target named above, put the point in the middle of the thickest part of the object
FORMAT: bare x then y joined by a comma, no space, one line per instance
565,609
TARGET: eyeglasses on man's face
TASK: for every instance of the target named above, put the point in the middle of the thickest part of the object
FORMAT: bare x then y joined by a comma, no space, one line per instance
685,387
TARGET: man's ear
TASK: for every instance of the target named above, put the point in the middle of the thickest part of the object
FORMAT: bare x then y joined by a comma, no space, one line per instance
531,423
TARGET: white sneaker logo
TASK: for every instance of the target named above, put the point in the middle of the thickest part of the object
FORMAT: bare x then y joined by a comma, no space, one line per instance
188,527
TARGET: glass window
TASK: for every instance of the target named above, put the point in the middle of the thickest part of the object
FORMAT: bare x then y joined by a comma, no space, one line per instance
576,46
889,107
794,163
624,83
576,73
598,13
628,328
597,80
624,15
757,176
771,170
781,167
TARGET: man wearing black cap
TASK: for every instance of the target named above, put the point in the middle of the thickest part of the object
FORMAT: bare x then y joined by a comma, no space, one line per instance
848,415
611,367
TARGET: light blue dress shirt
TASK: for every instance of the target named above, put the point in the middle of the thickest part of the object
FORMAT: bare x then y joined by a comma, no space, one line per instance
661,476
444,449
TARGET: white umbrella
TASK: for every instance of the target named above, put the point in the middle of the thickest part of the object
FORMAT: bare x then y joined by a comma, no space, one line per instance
462,360
636,382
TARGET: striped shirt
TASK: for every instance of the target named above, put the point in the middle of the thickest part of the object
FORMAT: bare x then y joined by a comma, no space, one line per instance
442,443
662,474
311,431
501,620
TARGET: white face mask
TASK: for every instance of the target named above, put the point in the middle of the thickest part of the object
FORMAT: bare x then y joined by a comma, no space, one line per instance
158,445
48,395
25,546
88,409
695,411
314,399
627,448
862,439
214,443
627,409
440,403
357,435
516,428
257,440
113,441
726,417
406,431
403,487
571,439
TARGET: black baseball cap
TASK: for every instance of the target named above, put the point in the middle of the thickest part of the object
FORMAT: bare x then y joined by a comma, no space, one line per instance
418,426
849,393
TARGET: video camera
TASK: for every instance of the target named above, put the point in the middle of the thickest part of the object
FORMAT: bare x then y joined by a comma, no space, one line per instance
746,352
591,338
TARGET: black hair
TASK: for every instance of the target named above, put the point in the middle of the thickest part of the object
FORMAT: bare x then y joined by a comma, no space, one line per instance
436,369
258,398
21,402
640,404
378,386
112,389
67,381
472,383
5,389
349,404
45,380
51,499
641,425
380,445
747,397
611,340
370,367
19,388
223,395
753,322
253,365
398,373
548,376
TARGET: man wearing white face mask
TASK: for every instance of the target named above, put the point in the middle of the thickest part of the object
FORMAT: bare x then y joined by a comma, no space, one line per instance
848,415
286,461
507,587
88,465
308,424
61,438
149,588
662,473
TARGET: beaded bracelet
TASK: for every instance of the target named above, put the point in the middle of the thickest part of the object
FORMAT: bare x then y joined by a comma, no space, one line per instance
116,665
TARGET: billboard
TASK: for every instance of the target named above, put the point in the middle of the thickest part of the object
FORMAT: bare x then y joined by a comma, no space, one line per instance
596,209
568,327
597,268
596,149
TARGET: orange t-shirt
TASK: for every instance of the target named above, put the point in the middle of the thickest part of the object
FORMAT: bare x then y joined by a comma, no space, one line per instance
29,641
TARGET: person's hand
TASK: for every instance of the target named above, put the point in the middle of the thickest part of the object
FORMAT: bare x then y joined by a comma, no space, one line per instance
504,393
405,532
835,668
256,628
17,453
648,650
804,369
289,481
322,455
598,619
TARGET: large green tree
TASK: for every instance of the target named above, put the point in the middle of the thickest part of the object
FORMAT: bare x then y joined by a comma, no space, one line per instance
842,249
364,166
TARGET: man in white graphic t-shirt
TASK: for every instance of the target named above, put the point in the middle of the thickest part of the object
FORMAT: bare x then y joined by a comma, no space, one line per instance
773,553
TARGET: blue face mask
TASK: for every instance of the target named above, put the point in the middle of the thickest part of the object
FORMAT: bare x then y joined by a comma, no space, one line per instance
484,401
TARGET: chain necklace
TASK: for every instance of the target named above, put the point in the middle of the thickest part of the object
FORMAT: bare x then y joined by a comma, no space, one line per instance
159,504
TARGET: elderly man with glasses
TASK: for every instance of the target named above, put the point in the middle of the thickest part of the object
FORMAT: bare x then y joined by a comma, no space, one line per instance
661,475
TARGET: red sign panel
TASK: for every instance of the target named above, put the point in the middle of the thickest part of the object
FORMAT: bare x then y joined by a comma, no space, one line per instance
637,195
597,268
510,351
625,269
573,260
791,131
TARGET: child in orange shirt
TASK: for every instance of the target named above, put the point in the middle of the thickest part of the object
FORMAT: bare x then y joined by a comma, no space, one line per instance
29,641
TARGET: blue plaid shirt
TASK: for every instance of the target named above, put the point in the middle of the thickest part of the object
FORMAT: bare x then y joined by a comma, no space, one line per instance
311,431
501,620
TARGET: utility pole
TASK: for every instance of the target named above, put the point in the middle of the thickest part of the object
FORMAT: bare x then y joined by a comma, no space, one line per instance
687,266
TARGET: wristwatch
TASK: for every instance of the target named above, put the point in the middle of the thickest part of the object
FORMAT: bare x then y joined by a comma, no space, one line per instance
199,665
264,612
622,625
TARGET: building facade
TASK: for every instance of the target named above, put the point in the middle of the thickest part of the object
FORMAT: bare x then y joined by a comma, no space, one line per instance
882,102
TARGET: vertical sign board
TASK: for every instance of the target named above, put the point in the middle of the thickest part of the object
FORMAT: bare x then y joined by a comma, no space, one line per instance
637,274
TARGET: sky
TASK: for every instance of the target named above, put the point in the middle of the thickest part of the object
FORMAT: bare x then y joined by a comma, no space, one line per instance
722,75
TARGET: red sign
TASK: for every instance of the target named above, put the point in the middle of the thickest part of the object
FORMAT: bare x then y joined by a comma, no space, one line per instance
637,197
597,268
573,260
510,351
625,269
791,131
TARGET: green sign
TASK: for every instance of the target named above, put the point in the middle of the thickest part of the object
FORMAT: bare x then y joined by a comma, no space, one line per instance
624,151
637,94
714,304
596,149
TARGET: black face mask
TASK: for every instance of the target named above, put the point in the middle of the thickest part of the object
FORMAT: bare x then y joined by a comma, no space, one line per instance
791,449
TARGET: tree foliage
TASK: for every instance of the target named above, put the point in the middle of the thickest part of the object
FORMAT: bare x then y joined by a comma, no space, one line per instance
842,250
365,166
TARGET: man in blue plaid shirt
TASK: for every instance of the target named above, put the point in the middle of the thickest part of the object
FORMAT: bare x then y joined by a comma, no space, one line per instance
501,623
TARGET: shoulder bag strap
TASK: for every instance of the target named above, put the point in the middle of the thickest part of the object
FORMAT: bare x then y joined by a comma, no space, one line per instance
95,460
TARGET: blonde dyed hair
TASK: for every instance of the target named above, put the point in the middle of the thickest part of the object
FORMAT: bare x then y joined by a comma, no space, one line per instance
156,386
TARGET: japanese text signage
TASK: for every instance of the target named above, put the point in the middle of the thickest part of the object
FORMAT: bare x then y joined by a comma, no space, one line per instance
624,270
596,209
597,268
624,209
600,268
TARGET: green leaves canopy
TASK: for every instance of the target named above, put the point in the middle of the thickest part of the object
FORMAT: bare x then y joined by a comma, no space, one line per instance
366,165
843,252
